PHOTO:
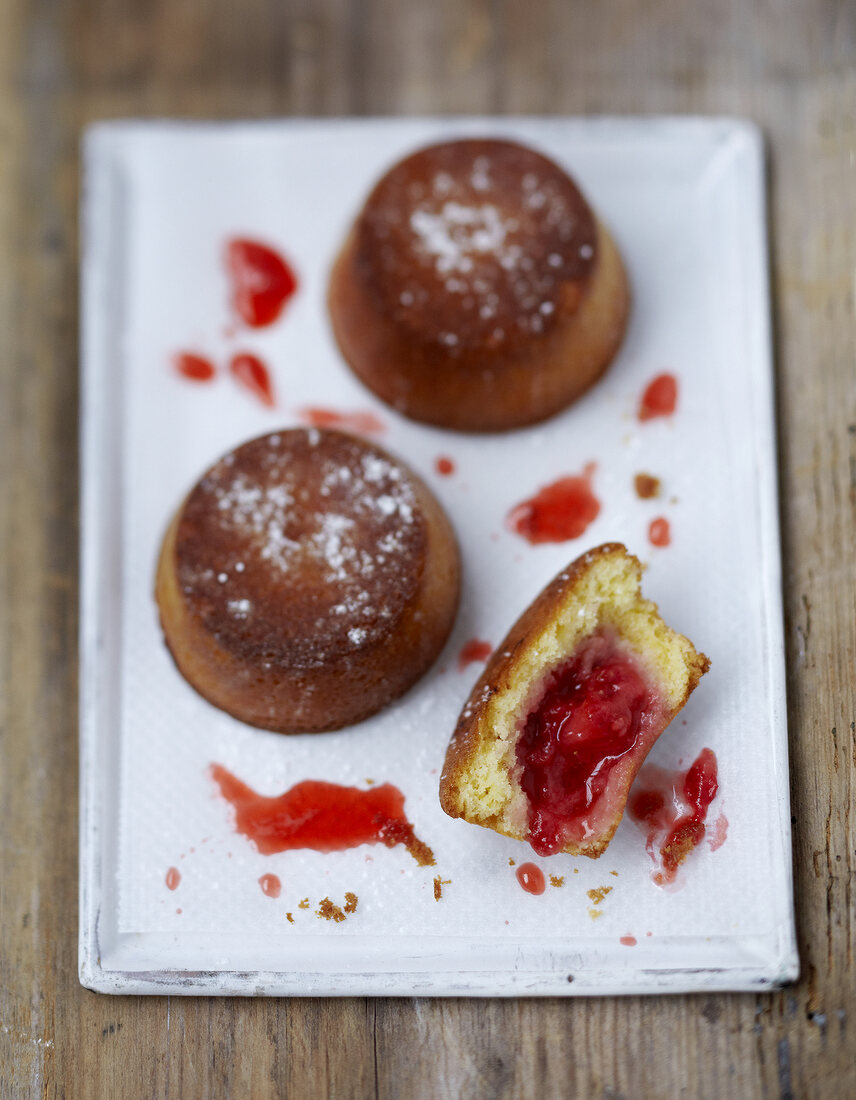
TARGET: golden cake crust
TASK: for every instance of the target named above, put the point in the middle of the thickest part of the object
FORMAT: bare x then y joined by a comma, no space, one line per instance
476,782
307,580
477,290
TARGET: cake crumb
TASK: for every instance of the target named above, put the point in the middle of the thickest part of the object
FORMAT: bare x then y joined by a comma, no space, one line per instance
557,880
576,870
439,883
370,782
303,904
510,862
595,913
328,910
290,918
394,832
597,895
614,873
647,487
351,900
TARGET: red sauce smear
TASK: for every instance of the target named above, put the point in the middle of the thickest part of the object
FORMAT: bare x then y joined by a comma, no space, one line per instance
444,465
262,281
253,375
271,886
628,941
365,422
558,512
659,532
660,397
473,650
322,816
195,367
672,806
173,878
589,718
531,878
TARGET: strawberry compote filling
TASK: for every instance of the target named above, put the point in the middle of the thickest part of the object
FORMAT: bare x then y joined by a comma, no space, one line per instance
597,712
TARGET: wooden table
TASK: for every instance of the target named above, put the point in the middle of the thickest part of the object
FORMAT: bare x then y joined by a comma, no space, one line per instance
793,69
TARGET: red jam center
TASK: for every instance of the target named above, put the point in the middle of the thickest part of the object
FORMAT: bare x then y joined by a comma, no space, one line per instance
323,816
588,719
262,282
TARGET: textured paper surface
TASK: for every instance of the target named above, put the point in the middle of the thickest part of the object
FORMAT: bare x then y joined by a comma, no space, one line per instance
678,199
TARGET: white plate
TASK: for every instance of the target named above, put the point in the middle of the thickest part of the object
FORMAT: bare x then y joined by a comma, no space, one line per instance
684,198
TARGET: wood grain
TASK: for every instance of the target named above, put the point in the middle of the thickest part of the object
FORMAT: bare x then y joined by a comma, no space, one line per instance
794,70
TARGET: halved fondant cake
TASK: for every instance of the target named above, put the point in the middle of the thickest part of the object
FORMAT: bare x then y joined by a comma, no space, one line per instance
567,709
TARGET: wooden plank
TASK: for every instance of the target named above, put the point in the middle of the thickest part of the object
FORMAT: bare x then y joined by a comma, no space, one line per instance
60,68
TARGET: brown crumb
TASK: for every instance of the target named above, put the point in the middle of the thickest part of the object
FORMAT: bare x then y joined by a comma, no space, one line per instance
646,486
614,873
329,911
370,782
595,913
510,862
596,896
290,918
439,883
351,902
303,904
401,832
576,870
557,880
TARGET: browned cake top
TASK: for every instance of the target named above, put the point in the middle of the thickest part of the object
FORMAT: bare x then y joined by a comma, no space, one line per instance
300,547
475,244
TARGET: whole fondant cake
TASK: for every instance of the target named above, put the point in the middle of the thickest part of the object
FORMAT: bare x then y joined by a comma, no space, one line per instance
477,290
307,580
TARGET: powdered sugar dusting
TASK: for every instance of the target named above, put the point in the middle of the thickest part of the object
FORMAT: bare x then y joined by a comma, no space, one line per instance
473,232
309,526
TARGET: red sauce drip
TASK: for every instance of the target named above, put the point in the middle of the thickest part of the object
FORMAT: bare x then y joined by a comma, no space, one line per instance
194,367
560,511
659,532
660,397
673,806
253,375
322,816
531,878
444,465
628,941
364,422
271,886
588,719
262,281
173,878
473,650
